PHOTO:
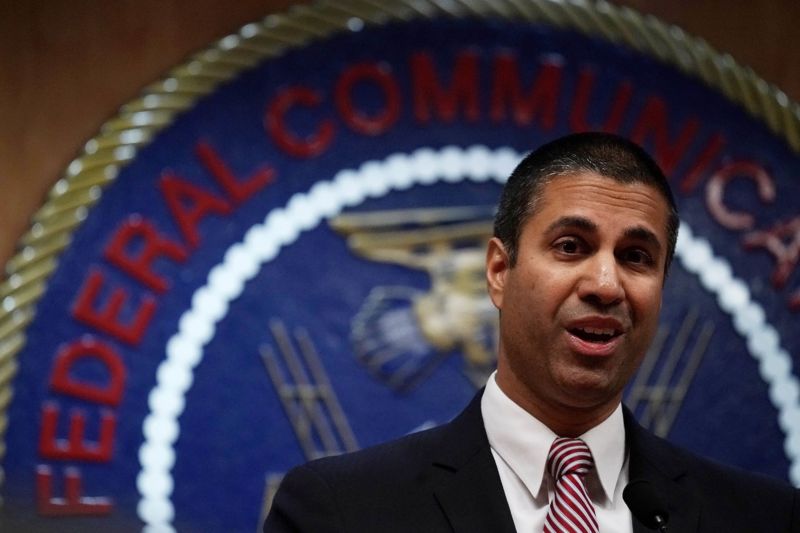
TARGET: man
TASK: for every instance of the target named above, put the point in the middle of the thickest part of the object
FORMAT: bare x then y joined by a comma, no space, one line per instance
584,235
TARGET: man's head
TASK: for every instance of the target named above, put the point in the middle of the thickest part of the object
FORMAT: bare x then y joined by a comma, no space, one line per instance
583,237
600,153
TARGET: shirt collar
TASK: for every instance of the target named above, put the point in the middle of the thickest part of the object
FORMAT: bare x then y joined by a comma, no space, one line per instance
607,443
523,442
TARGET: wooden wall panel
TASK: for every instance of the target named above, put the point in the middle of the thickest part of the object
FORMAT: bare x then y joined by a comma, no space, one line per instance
761,34
66,67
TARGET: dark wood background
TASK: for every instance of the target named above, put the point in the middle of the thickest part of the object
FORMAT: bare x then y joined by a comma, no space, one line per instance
67,66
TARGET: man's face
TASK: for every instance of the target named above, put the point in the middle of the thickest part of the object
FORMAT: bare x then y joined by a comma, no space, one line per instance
580,307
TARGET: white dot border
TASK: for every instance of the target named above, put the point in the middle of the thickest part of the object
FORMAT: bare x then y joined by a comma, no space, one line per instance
304,211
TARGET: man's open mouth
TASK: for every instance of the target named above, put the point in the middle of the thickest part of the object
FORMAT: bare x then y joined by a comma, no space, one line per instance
595,335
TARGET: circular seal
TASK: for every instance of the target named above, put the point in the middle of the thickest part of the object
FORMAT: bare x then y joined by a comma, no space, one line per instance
276,253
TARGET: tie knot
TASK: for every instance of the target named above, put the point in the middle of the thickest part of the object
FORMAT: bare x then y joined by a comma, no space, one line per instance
569,456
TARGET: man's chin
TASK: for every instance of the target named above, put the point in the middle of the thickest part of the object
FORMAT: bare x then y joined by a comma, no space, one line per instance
589,391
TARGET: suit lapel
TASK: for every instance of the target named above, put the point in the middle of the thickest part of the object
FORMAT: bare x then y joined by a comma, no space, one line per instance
652,459
465,461
465,479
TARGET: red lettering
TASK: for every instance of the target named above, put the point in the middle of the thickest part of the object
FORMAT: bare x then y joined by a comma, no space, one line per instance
653,122
580,106
430,96
705,158
356,120
783,242
75,447
107,319
189,204
237,191
139,233
88,348
543,96
275,123
73,503
715,191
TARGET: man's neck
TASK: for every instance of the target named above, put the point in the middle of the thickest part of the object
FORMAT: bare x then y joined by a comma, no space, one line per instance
564,420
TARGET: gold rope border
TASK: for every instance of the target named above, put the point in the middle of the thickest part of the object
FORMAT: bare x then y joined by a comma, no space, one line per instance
138,122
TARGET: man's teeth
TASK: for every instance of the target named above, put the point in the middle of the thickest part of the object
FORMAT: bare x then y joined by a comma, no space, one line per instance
591,334
598,331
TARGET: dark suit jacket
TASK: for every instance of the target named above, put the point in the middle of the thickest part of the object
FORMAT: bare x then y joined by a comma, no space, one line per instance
445,479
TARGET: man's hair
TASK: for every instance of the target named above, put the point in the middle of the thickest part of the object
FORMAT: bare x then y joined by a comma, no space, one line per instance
605,154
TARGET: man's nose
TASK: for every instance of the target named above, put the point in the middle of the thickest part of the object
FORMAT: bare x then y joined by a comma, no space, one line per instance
600,283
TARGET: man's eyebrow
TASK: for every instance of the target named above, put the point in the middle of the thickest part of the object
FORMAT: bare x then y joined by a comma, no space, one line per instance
639,233
572,222
643,234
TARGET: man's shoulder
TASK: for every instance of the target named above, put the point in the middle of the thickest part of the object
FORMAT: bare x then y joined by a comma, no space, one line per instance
675,460
451,443
703,491
355,491
402,454
400,485
381,481
718,475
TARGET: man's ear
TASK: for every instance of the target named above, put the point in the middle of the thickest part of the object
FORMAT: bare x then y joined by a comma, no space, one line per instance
497,267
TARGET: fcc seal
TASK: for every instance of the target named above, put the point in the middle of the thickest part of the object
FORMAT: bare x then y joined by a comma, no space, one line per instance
276,254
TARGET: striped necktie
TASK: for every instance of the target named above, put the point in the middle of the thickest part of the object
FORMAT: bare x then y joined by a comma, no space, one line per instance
571,510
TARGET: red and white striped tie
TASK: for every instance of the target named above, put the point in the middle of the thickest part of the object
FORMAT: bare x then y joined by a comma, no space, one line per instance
571,510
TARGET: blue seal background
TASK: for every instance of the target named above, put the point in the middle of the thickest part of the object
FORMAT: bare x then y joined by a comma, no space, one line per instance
234,430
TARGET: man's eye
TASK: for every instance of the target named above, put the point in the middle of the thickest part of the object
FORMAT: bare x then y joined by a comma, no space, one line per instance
568,246
639,257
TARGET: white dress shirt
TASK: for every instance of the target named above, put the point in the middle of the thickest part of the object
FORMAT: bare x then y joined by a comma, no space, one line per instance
520,444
